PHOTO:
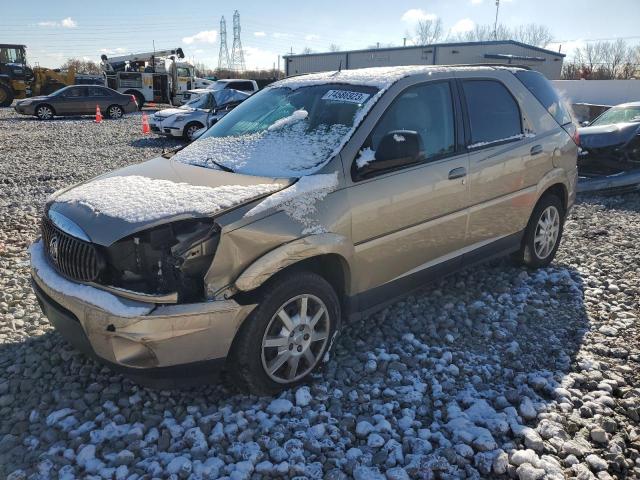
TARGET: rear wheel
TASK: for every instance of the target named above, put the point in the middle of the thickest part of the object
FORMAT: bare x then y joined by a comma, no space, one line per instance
44,112
190,129
543,233
139,97
6,95
288,334
115,111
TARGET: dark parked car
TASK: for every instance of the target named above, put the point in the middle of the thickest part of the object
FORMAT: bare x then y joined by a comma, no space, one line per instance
611,143
78,100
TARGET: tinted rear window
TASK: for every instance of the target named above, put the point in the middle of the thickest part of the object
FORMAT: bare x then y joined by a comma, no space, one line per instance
494,115
547,95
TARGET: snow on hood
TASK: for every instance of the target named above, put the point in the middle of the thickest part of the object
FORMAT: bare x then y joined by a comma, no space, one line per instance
137,199
167,112
99,298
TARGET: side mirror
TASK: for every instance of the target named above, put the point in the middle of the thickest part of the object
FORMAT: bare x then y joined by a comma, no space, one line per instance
585,123
396,149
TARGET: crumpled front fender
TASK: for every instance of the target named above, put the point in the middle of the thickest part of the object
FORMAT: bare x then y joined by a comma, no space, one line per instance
290,253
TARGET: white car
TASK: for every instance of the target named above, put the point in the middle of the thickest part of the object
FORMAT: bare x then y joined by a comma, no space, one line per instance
236,84
201,112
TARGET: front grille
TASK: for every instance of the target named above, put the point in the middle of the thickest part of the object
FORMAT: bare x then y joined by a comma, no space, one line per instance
74,258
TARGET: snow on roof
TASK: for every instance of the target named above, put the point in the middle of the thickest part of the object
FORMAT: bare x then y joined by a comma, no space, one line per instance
137,199
101,299
380,77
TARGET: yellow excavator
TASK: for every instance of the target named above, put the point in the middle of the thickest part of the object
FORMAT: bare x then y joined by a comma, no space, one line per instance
18,80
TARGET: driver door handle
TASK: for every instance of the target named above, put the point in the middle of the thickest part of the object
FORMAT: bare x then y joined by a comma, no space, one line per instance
457,173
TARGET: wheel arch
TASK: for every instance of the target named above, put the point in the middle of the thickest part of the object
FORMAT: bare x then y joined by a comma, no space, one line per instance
560,191
325,254
35,109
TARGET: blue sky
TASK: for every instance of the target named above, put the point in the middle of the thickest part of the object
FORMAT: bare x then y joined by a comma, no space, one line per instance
56,30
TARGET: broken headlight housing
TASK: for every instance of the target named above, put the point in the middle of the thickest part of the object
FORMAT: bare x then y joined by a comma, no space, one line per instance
170,258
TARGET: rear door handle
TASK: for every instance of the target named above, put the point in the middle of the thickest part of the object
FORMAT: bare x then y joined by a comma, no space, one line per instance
535,150
457,173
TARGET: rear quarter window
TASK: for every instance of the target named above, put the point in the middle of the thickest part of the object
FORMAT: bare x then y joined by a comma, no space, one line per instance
493,113
546,94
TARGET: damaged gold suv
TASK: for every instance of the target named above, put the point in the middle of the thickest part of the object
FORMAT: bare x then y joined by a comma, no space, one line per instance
318,199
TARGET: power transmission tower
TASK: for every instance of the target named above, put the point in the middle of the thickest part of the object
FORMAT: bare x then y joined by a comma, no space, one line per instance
237,54
223,56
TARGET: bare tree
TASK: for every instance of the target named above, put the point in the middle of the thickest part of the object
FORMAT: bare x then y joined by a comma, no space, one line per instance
532,34
428,32
334,48
306,51
603,61
82,66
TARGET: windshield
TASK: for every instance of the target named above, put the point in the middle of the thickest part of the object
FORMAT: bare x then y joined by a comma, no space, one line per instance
618,115
199,102
280,132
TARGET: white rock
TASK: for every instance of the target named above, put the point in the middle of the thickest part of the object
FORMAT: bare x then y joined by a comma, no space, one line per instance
279,406
596,463
527,410
527,471
303,396
524,456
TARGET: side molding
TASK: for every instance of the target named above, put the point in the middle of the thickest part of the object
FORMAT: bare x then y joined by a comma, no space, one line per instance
278,259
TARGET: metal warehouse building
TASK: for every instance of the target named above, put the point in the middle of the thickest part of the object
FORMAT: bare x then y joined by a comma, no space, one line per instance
498,51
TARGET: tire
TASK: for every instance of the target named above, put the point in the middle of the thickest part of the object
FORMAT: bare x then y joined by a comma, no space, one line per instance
45,112
540,242
6,95
189,129
115,112
264,369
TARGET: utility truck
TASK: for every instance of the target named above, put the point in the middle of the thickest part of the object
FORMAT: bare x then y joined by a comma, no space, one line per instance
156,76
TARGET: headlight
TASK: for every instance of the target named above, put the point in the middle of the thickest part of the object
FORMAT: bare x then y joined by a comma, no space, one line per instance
170,258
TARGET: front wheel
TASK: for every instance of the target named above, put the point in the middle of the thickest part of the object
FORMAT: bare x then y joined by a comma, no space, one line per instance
115,111
543,233
288,334
6,95
44,112
190,129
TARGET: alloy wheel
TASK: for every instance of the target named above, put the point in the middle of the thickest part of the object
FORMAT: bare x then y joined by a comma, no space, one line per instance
547,231
295,338
44,113
115,112
191,130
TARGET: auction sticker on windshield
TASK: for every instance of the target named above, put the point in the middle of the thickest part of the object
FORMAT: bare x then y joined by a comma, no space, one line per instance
345,96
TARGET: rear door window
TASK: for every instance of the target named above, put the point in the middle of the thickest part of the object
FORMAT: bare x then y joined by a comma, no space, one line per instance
242,86
547,95
99,92
494,115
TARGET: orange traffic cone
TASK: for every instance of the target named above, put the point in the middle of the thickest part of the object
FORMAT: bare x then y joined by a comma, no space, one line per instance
145,124
98,115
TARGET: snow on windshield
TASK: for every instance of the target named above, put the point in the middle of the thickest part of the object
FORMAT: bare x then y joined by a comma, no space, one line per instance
284,152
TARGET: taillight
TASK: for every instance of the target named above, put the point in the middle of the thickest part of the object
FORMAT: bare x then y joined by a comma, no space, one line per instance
572,130
576,137
134,99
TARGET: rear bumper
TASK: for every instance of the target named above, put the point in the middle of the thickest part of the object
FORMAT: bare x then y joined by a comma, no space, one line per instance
157,342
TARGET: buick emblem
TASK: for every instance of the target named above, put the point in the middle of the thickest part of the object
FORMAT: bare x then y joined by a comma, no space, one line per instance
53,249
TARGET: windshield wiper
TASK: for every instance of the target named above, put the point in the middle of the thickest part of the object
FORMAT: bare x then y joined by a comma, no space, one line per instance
220,166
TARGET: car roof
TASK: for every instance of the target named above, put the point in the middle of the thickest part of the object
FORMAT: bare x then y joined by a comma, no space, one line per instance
629,104
380,77
234,80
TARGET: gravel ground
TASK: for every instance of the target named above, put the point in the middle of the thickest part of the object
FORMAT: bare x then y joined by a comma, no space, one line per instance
494,372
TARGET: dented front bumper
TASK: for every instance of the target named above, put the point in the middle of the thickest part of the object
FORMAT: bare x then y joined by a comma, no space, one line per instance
168,341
